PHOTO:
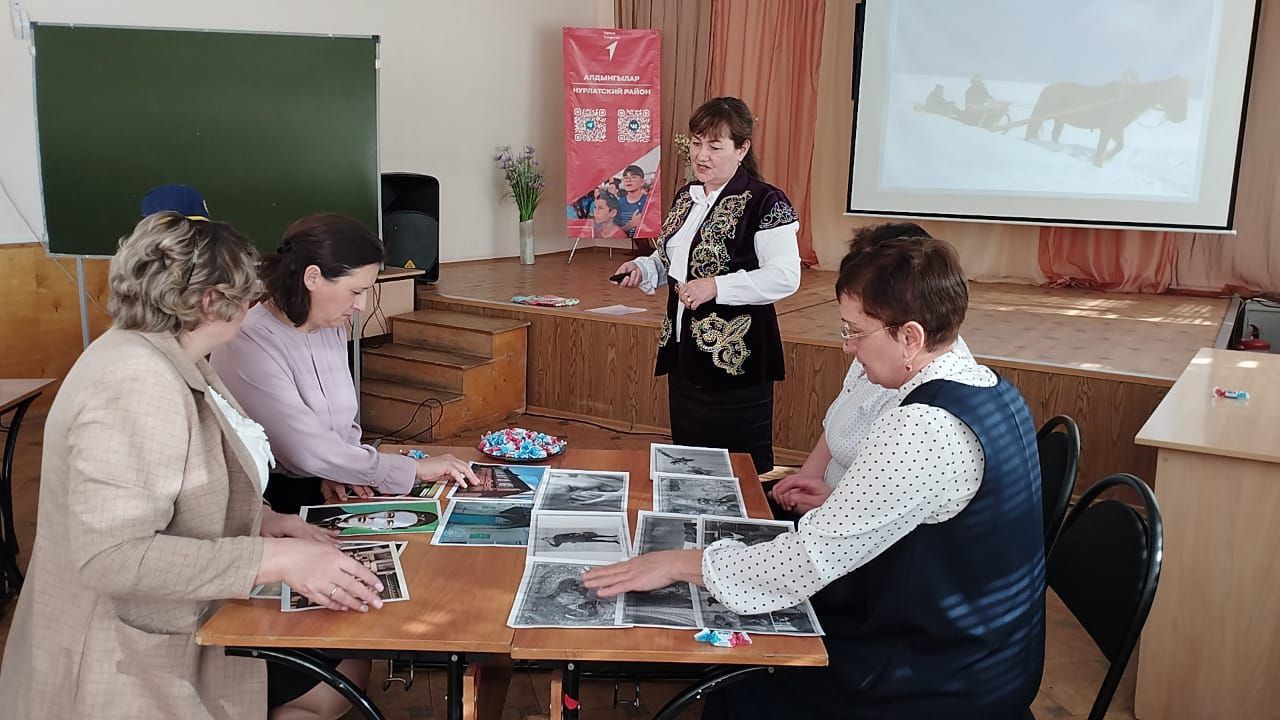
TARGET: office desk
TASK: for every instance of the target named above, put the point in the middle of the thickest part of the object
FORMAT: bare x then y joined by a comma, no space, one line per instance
1209,649
15,397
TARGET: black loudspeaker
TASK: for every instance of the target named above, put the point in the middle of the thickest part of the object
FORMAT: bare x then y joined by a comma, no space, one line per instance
411,222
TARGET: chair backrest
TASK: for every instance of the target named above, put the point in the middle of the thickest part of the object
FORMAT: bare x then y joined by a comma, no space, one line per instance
1059,444
1105,566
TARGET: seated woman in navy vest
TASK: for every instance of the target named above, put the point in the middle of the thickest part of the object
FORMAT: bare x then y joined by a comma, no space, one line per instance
925,563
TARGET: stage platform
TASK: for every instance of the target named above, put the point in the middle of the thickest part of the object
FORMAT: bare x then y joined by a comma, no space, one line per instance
1106,359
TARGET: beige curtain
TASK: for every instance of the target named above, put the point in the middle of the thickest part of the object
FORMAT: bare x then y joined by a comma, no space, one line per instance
686,63
768,53
1251,258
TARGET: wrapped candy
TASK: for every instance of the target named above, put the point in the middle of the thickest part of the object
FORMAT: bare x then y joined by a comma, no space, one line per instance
723,638
520,444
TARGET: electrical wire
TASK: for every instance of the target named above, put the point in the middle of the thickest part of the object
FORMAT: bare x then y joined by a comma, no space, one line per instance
602,426
431,423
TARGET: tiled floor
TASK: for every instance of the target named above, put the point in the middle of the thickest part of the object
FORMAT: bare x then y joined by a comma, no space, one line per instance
1073,666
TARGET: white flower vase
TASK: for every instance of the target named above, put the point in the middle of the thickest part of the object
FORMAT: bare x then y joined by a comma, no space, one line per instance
526,242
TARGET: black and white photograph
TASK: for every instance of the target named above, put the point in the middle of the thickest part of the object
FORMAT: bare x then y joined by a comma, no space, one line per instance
665,531
551,594
749,531
594,537
797,620
583,491
382,559
669,607
272,591
685,460
698,496
485,523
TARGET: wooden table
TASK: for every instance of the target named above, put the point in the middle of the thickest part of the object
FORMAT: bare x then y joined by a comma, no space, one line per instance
657,645
460,598
15,397
1209,646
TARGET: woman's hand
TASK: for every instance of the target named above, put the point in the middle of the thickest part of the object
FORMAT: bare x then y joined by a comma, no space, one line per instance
322,573
800,493
634,275
337,492
697,292
646,572
446,466
276,525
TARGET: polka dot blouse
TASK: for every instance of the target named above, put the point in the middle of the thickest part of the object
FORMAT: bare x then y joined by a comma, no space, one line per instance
917,465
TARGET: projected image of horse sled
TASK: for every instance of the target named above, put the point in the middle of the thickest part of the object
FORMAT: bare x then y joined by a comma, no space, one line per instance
1130,138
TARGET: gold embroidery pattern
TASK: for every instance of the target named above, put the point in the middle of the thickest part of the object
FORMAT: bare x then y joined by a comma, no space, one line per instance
780,214
724,339
672,223
664,335
711,256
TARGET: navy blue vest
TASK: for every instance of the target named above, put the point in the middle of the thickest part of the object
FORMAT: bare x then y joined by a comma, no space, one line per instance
948,623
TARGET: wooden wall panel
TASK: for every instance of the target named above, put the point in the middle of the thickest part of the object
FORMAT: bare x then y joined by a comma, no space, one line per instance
603,369
40,326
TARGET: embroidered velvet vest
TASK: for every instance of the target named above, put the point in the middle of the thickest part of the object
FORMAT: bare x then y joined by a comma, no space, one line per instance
724,346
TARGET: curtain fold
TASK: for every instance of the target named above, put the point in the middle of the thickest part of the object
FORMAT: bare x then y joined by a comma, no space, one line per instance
686,64
1114,260
768,53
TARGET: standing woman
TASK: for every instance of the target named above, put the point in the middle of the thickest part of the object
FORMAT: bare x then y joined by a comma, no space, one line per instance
288,366
727,252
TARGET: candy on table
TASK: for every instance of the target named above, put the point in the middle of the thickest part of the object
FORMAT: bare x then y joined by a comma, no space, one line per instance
1230,394
722,638
520,444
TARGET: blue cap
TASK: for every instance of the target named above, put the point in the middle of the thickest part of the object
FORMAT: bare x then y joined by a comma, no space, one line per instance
176,198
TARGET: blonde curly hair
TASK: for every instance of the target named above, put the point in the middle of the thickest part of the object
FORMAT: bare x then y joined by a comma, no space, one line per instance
160,274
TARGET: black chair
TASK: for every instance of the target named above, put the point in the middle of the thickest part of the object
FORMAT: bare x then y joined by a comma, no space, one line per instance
1059,444
1105,566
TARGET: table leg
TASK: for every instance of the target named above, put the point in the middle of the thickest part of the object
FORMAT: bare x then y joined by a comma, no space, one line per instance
308,662
453,688
10,575
713,681
569,696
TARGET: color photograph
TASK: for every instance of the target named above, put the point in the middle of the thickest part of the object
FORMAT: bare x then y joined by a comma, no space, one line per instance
375,518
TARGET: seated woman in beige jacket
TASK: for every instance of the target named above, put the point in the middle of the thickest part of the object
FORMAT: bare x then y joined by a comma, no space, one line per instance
151,510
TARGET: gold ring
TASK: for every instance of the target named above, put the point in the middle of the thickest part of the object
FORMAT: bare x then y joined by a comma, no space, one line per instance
334,591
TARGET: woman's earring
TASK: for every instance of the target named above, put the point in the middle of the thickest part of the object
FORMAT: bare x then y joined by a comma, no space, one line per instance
908,366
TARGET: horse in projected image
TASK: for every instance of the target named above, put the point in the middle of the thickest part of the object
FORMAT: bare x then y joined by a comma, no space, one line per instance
1109,109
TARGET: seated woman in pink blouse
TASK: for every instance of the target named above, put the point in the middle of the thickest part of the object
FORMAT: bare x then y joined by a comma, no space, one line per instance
288,367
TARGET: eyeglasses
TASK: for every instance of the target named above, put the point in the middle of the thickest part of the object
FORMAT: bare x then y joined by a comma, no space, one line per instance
846,334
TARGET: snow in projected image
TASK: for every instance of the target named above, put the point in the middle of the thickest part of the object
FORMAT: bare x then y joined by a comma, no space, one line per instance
929,151
973,94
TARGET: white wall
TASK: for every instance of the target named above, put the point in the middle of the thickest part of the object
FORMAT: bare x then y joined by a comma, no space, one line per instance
458,78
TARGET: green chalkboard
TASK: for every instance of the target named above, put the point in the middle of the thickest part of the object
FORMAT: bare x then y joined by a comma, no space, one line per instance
268,127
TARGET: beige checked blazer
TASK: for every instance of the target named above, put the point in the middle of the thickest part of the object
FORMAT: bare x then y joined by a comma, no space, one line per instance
148,520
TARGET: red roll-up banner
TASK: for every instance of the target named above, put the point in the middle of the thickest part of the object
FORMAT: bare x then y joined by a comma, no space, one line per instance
612,111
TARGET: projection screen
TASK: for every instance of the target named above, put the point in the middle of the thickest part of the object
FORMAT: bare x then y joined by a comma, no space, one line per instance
1091,112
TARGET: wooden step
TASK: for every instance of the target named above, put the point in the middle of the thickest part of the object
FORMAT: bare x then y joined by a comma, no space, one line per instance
387,407
423,367
454,332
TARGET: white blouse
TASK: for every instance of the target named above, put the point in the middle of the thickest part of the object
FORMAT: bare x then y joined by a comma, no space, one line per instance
252,435
777,249
919,464
851,415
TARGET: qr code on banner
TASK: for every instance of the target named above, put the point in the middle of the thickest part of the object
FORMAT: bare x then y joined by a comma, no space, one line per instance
589,124
633,126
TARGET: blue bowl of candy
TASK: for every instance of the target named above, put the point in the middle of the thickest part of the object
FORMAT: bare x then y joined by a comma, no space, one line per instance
520,445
